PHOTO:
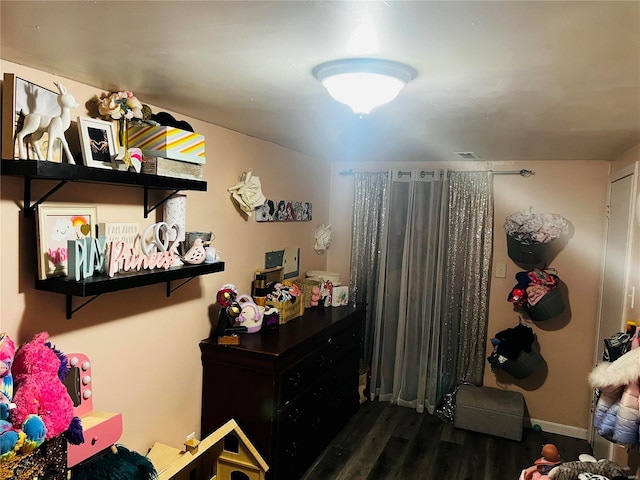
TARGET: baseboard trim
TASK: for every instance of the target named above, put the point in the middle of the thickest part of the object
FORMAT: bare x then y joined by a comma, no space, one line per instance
558,428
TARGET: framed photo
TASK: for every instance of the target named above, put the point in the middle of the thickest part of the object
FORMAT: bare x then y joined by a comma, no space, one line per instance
56,224
98,143
19,98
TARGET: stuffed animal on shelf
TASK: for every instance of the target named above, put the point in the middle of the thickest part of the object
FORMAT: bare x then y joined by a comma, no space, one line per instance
44,409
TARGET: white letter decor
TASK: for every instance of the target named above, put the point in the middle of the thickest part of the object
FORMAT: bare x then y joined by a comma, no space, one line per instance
125,258
158,252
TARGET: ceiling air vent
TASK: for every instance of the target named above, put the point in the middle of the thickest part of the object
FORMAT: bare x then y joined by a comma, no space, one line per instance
468,155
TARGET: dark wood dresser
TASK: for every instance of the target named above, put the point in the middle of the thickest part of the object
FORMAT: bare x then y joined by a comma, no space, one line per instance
290,390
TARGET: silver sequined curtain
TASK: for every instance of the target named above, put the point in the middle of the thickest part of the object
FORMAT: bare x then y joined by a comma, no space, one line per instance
435,244
370,199
467,277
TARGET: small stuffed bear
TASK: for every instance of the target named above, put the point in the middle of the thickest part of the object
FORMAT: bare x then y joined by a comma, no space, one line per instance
38,370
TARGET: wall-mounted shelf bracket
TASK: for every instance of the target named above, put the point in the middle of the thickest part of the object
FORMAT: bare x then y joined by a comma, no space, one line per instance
171,290
71,310
147,209
29,208
65,173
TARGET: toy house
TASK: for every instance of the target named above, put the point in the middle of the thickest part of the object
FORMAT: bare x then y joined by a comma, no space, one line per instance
226,454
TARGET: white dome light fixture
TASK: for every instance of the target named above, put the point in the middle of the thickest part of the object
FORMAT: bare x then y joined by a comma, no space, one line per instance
364,83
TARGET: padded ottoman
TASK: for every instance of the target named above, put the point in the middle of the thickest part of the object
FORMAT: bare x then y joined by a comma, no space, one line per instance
489,410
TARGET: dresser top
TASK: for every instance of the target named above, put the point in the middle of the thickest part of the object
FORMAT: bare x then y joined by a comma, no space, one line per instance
313,322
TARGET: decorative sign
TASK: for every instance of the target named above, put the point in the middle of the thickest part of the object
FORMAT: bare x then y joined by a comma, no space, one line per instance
284,211
125,258
85,256
120,232
165,237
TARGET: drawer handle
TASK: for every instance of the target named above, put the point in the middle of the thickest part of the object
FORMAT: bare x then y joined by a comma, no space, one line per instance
294,416
321,361
295,379
291,449
316,424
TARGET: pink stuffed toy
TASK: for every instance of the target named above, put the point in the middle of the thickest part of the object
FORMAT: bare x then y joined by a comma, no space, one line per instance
38,370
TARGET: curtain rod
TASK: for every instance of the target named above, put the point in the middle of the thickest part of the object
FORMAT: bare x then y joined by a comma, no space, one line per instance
423,173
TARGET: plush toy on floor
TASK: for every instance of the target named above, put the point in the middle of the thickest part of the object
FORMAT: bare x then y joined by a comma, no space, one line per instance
40,395
550,458
13,440
10,439
588,465
116,463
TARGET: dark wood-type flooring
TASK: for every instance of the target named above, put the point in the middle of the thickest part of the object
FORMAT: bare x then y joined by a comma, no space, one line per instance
384,442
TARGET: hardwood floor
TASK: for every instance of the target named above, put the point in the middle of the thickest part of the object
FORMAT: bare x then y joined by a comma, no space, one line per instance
384,442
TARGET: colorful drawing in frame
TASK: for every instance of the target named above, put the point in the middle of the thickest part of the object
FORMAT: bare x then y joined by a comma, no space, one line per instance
284,211
56,225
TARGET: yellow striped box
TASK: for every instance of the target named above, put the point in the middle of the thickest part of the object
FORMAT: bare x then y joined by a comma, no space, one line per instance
168,142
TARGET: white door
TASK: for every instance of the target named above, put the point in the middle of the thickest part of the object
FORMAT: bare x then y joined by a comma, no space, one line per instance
615,288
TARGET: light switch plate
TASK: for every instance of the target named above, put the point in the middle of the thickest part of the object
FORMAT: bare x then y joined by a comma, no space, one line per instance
501,270
291,262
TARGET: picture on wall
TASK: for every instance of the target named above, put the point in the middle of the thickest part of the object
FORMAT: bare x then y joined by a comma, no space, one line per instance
98,142
20,98
284,211
56,225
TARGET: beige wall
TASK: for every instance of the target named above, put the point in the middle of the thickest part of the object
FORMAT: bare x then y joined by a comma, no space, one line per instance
143,345
576,190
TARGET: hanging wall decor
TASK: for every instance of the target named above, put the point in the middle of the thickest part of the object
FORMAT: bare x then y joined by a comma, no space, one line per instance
284,211
247,193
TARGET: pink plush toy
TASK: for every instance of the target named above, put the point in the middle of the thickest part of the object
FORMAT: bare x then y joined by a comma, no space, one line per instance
38,370
315,296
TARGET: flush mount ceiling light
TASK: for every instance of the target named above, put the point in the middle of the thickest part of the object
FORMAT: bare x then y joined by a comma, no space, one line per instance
364,83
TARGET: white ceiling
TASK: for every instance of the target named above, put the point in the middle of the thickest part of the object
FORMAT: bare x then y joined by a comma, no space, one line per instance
507,80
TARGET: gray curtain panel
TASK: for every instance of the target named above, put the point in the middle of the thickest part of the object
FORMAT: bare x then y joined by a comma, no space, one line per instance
420,264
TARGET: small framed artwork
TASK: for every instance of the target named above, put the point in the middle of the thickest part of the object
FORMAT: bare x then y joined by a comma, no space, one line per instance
98,142
284,211
19,98
56,225
340,296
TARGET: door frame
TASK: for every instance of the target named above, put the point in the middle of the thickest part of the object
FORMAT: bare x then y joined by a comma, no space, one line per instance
629,170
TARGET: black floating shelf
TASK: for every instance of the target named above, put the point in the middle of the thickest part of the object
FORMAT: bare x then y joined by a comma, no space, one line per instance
98,284
64,173
42,170
101,283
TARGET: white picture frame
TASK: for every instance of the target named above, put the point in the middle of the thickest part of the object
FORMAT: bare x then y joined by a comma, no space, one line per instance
57,224
98,143
340,296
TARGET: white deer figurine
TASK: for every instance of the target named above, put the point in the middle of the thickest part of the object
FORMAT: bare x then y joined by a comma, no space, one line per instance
37,124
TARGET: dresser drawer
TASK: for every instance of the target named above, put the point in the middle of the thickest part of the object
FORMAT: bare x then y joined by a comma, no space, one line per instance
307,371
293,387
